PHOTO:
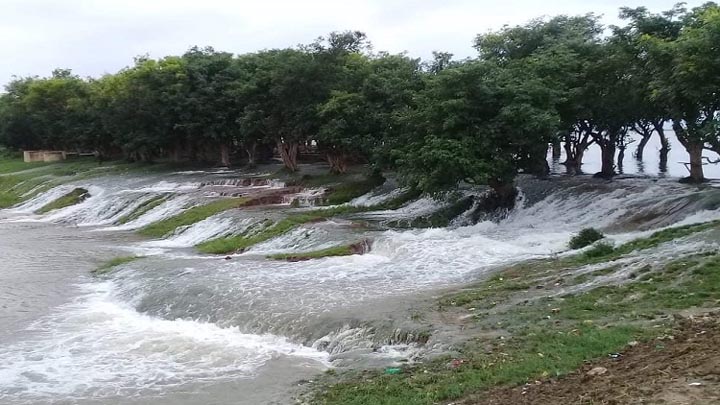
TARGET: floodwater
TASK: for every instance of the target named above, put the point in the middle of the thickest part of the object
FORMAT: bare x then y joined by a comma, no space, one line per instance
177,327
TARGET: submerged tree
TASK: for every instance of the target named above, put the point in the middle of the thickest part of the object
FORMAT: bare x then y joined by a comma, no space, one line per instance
562,52
481,124
686,77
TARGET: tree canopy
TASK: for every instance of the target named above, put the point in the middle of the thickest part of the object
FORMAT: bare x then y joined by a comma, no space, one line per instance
439,123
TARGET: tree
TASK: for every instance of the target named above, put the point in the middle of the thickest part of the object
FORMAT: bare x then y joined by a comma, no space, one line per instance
685,77
561,51
16,129
392,93
482,123
651,112
51,109
288,109
344,116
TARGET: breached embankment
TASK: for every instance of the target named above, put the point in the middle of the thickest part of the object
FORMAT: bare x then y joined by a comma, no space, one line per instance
350,311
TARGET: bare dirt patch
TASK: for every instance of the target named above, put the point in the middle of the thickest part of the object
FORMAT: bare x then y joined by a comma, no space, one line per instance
682,368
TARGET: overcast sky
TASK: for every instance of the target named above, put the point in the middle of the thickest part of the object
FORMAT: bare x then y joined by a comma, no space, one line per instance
95,37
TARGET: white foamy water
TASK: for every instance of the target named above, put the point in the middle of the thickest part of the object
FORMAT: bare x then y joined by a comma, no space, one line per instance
179,318
302,239
210,228
99,347
42,199
168,208
376,198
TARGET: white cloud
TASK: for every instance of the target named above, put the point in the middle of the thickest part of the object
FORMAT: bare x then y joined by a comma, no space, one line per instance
94,37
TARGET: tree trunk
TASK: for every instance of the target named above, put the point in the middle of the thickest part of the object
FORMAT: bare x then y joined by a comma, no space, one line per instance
224,155
338,162
504,195
288,154
556,150
621,159
575,151
251,151
664,149
608,160
176,153
695,150
574,166
640,151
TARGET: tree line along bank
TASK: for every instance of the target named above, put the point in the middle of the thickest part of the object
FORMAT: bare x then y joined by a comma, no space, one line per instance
565,80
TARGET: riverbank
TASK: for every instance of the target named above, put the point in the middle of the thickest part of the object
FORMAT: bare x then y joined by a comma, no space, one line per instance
343,273
535,325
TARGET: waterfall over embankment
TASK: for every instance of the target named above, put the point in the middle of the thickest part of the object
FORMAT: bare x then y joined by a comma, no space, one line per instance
177,315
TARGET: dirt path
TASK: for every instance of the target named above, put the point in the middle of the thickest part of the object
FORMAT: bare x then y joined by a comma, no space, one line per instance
680,369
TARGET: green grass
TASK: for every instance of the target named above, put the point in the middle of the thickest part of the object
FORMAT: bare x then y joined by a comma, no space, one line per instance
17,182
76,196
12,165
9,195
237,243
522,276
115,262
564,332
191,216
604,252
537,353
141,210
547,336
342,250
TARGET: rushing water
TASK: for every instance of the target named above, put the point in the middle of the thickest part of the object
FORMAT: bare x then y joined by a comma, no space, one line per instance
179,327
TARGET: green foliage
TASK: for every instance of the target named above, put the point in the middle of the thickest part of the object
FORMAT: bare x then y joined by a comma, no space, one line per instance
190,216
76,196
441,123
586,237
478,123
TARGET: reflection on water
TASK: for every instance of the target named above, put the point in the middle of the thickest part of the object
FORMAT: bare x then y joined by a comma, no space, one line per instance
654,162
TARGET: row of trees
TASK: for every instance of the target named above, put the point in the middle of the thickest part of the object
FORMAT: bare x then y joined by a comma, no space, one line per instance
564,80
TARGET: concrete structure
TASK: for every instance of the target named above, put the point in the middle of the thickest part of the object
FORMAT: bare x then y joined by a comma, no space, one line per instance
32,156
46,155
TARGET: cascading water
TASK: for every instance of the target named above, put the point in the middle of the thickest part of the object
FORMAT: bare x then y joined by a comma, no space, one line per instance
167,322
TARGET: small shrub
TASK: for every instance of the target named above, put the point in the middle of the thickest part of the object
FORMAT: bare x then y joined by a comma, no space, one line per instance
586,237
600,250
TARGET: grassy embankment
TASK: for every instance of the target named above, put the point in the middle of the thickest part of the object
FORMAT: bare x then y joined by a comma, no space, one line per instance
339,193
20,181
113,263
141,210
76,196
191,216
525,328
273,229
